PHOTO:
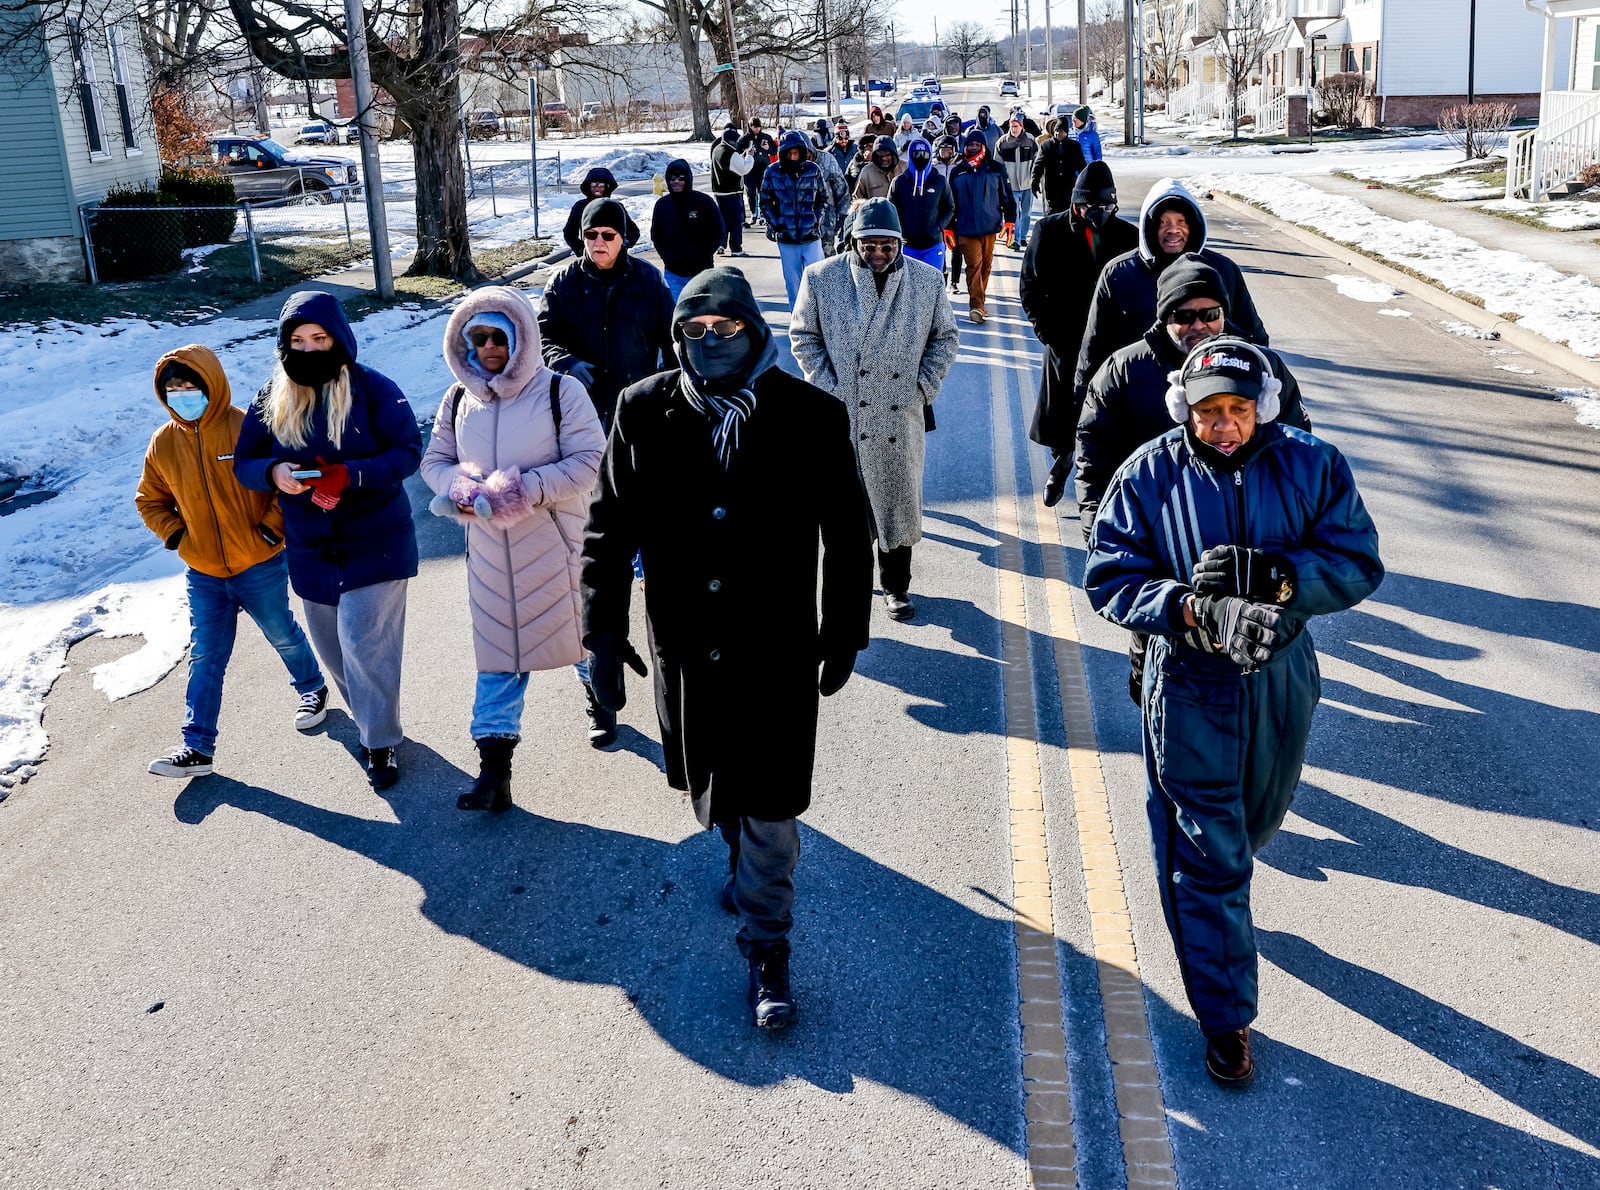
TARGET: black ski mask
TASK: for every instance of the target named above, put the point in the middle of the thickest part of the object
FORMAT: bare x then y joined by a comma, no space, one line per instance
714,358
313,369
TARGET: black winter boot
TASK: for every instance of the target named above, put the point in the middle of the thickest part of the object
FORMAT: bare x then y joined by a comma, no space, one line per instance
492,790
602,723
771,1001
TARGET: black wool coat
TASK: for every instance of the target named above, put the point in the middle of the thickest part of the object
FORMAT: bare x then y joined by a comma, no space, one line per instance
1055,173
1059,273
732,597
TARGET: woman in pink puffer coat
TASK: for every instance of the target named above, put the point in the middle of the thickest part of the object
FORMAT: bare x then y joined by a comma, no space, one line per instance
514,457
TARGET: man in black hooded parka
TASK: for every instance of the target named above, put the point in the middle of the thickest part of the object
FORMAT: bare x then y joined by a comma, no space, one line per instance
729,474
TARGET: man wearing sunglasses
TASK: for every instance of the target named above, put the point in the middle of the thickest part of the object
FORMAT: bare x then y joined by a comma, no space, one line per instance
873,328
732,476
1126,404
1064,259
606,317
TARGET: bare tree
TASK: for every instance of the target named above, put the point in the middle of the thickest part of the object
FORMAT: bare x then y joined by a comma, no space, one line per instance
1167,30
1107,39
967,44
1243,41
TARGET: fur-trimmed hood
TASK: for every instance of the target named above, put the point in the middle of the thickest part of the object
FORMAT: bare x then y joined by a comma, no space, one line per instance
527,361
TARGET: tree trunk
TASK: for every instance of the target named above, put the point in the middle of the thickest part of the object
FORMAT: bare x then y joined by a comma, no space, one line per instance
722,48
689,44
444,245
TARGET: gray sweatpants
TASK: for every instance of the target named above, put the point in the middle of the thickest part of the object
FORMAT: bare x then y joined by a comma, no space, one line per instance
763,855
359,641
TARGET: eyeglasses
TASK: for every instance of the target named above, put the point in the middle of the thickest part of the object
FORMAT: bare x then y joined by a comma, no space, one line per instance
595,233
483,338
878,247
726,329
1100,208
1190,317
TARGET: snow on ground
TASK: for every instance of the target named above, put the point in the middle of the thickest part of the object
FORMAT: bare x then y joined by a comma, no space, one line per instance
1363,289
83,562
1586,401
1467,331
1566,215
1564,309
1393,313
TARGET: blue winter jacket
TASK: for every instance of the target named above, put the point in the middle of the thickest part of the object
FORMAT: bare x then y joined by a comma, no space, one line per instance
923,200
1165,507
795,206
1088,138
984,201
367,538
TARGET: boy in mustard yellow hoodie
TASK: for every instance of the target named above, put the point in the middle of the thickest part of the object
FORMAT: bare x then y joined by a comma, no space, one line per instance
230,538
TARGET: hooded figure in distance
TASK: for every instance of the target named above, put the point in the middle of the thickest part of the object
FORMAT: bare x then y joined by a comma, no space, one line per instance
599,182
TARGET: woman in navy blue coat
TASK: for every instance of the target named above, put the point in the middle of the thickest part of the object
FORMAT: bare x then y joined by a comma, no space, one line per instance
336,440
1220,540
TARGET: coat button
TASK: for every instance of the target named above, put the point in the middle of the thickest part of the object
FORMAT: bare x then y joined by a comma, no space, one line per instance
863,437
714,585
718,513
891,439
716,654
863,404
894,376
863,371
894,409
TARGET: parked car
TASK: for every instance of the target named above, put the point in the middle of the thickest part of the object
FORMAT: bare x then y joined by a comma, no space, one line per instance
931,83
1009,87
817,97
348,132
318,132
483,123
263,170
556,115
883,86
591,112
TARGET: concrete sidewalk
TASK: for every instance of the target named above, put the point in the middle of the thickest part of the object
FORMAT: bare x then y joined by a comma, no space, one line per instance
1576,253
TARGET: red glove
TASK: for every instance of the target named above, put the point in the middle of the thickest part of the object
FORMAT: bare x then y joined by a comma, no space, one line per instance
326,487
950,238
1010,232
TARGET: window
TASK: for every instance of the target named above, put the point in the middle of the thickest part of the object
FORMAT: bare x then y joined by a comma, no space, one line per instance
1366,62
88,98
1594,81
1299,65
119,75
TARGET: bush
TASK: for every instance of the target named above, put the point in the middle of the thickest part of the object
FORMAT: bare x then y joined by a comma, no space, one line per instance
1478,129
203,188
1341,95
142,242
1589,175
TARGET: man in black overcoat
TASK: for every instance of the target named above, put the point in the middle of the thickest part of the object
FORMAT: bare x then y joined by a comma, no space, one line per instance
1059,272
729,474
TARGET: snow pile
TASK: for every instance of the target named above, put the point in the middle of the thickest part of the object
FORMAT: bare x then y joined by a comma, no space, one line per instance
1561,308
1467,331
1363,289
1394,313
1587,403
77,408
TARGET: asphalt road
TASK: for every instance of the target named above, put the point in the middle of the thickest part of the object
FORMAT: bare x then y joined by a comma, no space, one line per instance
378,991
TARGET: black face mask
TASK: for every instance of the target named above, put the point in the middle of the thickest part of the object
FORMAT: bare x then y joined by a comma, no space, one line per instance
1099,217
920,160
714,358
795,166
313,369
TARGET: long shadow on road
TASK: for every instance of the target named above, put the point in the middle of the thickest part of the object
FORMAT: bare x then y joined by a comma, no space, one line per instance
900,984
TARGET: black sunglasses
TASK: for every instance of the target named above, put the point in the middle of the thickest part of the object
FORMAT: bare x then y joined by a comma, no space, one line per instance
595,234
483,338
1190,317
726,329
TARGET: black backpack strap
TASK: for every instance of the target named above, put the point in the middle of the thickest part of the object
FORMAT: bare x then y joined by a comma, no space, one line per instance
455,405
555,409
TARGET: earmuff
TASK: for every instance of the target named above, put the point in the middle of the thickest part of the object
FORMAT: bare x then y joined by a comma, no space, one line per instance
1267,404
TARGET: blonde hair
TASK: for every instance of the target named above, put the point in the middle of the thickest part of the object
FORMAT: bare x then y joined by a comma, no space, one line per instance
289,406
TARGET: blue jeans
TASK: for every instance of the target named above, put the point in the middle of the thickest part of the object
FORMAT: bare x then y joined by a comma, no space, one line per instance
497,705
675,283
933,255
795,258
1024,213
214,605
731,207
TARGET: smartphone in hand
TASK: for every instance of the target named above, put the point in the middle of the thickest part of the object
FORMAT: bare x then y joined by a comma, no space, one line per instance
313,474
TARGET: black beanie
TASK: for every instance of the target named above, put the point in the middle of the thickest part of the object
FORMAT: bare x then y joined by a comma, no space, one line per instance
177,371
721,291
1094,185
1188,276
605,212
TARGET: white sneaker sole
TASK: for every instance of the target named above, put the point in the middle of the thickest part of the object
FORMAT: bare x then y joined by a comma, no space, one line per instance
307,722
162,769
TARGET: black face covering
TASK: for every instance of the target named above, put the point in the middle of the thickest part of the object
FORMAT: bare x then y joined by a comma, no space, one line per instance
1098,217
714,358
919,160
313,369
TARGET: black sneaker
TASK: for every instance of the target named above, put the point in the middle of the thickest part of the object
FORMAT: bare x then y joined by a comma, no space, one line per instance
898,604
602,723
313,709
771,1002
185,762
382,771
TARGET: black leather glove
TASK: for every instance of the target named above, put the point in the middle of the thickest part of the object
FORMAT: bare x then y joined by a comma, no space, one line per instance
836,671
1252,574
605,672
1248,632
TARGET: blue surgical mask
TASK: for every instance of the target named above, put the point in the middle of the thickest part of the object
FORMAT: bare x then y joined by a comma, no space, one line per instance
187,403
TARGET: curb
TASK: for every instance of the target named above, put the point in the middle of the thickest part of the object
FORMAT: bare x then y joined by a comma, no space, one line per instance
1533,344
532,266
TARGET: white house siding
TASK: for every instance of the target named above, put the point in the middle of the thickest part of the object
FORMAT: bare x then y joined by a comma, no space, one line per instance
38,200
1423,50
1586,59
120,165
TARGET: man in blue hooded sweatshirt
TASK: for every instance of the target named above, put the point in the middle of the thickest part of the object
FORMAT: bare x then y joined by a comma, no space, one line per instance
922,198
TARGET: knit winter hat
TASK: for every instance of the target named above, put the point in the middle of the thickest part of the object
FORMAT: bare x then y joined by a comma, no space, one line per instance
1188,276
493,320
974,137
1094,185
1083,115
174,370
605,212
877,217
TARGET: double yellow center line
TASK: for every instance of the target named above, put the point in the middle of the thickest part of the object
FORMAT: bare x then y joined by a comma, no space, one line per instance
1051,1144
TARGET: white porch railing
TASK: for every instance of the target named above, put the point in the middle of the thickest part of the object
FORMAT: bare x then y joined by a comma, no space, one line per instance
1558,150
1273,116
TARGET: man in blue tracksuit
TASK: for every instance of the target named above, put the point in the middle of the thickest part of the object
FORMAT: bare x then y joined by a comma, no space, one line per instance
1220,539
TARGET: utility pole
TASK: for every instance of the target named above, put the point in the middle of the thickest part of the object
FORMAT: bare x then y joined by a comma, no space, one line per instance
935,69
1127,71
1049,64
1083,54
1472,50
733,45
827,59
371,170
1013,70
1027,45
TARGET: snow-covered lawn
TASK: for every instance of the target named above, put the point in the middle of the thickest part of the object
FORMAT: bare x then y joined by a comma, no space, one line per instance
1562,308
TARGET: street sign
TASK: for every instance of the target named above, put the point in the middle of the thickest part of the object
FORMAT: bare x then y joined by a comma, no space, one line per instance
720,69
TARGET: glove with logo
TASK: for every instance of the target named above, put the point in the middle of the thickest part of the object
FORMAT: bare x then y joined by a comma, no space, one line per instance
1247,632
1253,574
